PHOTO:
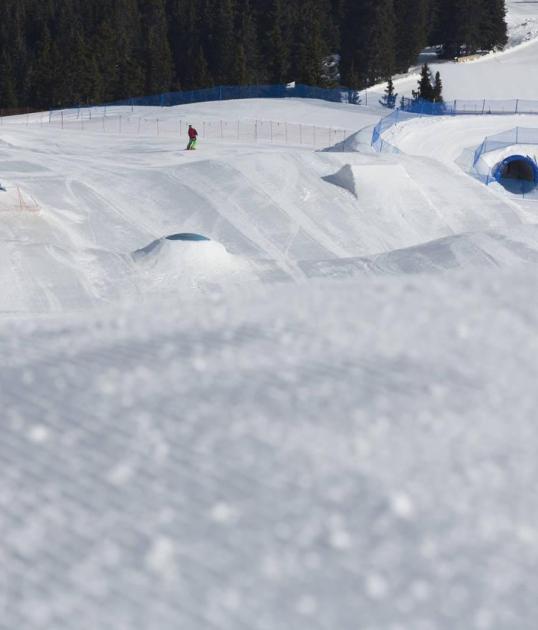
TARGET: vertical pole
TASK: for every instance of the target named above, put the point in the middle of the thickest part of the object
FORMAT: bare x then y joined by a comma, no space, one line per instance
517,106
62,114
483,105
366,97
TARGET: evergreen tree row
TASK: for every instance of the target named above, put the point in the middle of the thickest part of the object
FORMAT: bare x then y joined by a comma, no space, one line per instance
63,52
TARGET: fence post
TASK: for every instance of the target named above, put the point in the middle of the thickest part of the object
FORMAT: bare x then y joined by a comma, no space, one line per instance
454,107
483,105
517,106
62,115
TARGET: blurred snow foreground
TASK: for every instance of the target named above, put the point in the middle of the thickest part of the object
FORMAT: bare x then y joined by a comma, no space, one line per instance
355,455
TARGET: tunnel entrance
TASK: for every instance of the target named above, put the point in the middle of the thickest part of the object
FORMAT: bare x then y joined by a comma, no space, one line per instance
517,173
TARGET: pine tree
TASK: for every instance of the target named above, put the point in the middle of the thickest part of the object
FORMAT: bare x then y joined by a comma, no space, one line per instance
390,96
157,54
224,43
413,20
494,30
380,50
425,88
310,43
247,58
8,94
277,47
437,89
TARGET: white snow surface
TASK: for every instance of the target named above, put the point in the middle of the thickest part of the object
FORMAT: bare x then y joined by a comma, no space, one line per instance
320,416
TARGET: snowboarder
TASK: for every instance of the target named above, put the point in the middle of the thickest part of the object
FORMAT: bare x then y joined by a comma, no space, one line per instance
193,135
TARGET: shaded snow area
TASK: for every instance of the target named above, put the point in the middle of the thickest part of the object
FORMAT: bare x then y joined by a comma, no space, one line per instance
332,455
259,387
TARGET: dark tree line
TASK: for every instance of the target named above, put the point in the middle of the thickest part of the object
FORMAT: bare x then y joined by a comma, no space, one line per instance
62,52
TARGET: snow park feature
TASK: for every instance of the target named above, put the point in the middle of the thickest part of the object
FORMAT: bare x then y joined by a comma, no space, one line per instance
260,386
517,173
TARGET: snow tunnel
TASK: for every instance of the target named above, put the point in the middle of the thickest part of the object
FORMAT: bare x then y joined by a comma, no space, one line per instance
517,173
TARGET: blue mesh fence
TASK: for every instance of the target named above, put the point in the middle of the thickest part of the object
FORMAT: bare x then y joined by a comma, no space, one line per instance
397,116
466,107
233,92
413,108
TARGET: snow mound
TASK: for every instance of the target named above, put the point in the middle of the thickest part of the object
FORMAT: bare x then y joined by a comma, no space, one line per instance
188,261
480,250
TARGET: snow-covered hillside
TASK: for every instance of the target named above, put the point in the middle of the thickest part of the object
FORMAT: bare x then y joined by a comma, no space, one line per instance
257,386
509,74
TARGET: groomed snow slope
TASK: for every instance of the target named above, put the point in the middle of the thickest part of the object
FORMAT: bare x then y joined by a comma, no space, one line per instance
447,138
269,210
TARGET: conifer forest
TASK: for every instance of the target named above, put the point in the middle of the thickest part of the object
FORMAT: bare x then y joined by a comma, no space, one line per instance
64,52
